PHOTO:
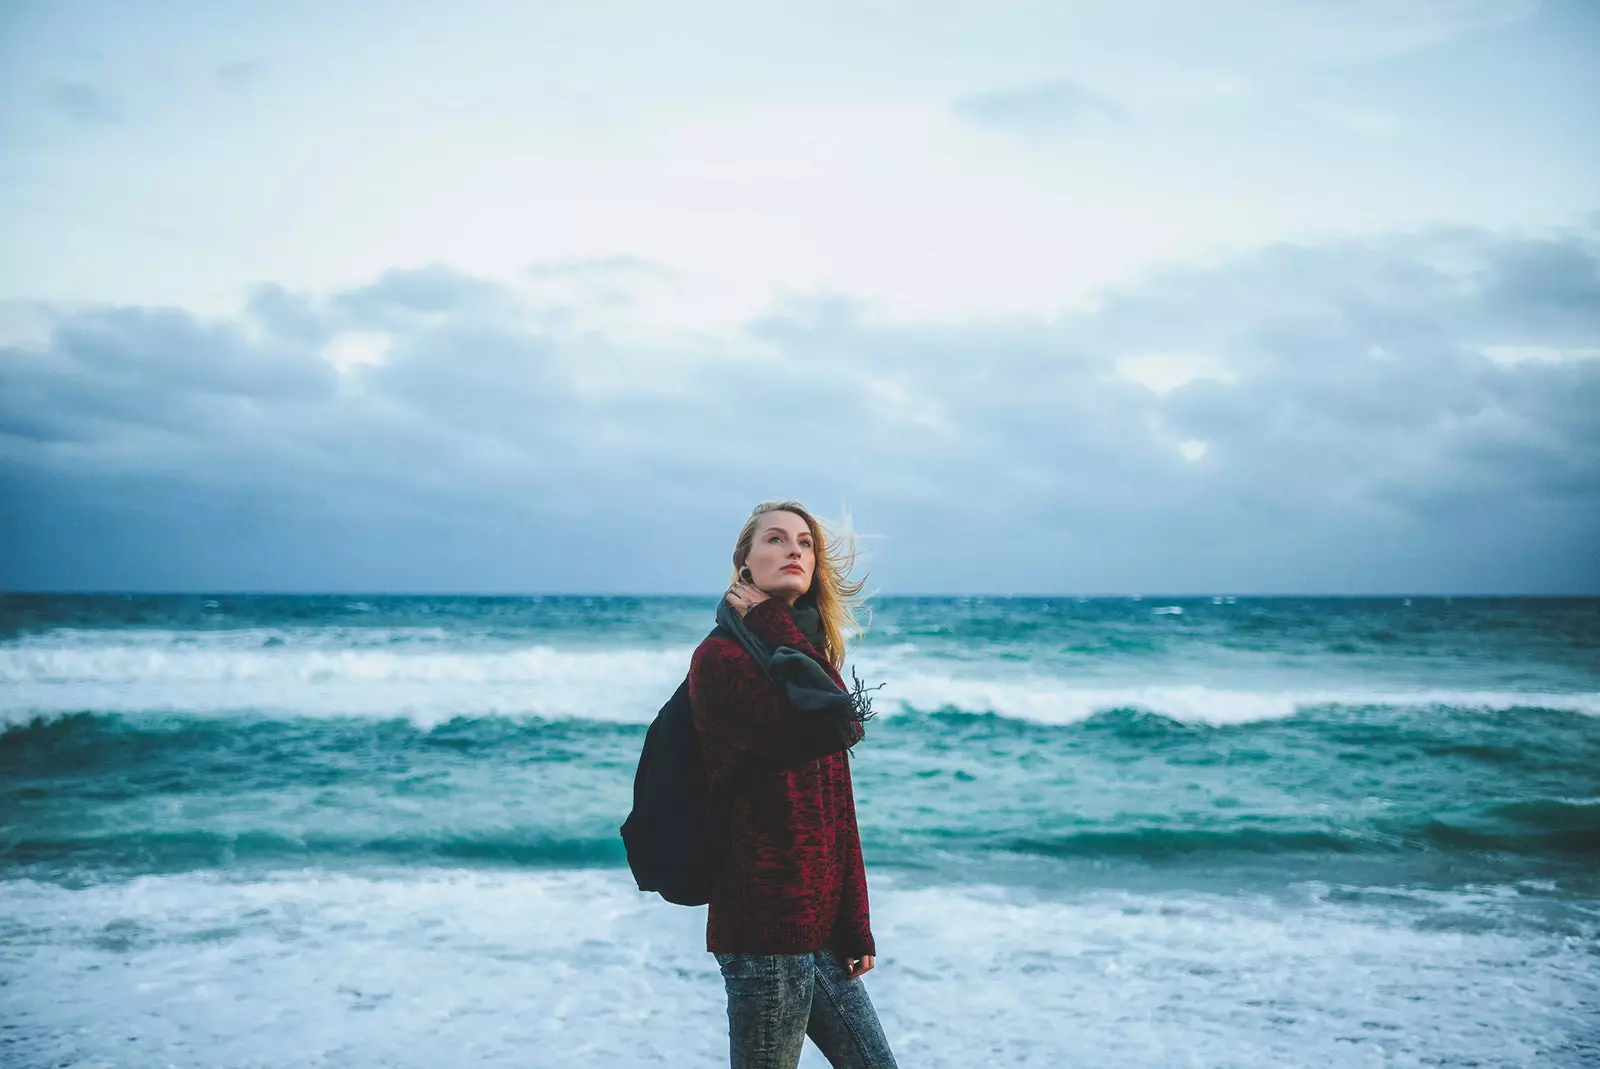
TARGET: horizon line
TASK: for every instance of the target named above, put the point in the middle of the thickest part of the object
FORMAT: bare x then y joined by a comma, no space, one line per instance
1133,596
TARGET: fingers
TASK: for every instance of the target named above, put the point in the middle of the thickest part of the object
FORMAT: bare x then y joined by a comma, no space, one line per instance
743,596
859,967
739,597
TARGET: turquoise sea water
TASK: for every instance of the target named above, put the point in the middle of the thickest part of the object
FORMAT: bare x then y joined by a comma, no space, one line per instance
1192,831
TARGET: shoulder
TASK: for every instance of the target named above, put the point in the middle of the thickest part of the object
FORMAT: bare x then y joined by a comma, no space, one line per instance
718,671
716,644
717,652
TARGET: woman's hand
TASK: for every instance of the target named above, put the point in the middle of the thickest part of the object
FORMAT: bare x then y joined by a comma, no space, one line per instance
859,966
744,597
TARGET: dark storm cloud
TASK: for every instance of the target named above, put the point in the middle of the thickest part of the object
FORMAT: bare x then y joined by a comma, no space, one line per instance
1046,108
483,380
154,368
1347,433
1550,289
1364,367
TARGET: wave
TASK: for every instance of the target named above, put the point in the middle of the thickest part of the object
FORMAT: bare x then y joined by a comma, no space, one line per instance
273,657
1545,829
153,851
1168,843
111,791
1051,703
1542,828
425,676
126,757
426,685
634,701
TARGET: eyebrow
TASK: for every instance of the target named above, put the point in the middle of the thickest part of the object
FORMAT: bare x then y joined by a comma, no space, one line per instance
780,530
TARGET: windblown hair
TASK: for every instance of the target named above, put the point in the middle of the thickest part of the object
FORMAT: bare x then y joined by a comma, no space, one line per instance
836,596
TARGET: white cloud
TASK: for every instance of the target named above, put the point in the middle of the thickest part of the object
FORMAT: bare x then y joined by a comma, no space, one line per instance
355,348
756,152
1511,355
1164,372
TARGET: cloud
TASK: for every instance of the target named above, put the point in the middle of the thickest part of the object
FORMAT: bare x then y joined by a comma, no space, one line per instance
609,282
1046,108
1301,418
84,103
1550,288
431,290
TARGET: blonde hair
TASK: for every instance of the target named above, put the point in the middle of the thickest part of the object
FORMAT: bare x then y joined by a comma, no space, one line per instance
836,596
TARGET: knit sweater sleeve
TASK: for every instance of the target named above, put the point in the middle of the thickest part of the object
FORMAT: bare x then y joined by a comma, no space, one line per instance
741,714
855,924
774,624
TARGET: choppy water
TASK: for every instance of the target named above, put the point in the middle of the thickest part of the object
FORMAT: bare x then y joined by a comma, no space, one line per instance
250,830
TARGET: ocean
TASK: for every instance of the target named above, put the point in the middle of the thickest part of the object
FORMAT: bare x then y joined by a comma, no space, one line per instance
264,831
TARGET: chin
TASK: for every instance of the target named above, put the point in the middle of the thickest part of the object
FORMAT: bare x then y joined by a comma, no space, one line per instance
789,584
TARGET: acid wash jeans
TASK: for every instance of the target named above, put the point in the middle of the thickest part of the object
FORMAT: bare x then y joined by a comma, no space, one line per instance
776,1000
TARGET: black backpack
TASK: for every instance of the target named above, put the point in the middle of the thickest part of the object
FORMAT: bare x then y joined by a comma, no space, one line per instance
673,833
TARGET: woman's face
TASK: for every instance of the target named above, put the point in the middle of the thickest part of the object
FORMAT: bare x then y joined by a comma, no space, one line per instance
782,556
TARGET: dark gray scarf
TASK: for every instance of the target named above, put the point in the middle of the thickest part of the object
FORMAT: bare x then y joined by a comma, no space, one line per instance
809,621
809,686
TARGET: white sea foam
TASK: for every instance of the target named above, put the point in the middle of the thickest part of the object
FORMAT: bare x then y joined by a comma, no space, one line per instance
1049,701
443,967
233,672
417,675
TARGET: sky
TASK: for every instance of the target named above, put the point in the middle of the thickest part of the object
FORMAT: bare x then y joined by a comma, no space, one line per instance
1162,296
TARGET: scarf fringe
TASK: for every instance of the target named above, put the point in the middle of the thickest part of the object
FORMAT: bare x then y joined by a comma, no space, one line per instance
860,701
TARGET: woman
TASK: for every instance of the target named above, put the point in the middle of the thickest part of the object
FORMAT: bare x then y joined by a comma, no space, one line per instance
787,919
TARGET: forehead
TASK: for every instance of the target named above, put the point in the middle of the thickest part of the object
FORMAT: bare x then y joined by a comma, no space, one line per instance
788,521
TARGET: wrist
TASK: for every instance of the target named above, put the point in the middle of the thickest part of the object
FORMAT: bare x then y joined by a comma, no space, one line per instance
861,946
765,604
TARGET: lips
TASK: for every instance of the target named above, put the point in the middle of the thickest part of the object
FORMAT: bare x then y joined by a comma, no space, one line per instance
795,568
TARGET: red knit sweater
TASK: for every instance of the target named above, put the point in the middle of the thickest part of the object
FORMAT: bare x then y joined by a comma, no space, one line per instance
791,878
